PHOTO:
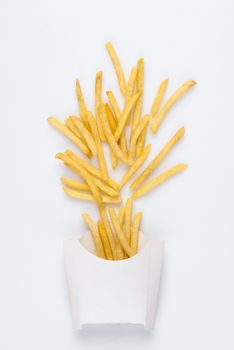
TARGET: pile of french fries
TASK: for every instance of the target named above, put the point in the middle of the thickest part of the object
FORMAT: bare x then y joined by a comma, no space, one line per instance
124,131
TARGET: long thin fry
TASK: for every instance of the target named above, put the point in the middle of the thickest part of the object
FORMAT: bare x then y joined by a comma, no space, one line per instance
119,250
113,124
70,125
62,128
81,102
98,102
74,184
108,229
114,104
141,142
89,197
86,134
158,180
83,173
95,235
141,126
128,219
135,231
72,118
105,188
121,216
117,67
136,165
119,232
105,241
130,89
170,102
100,153
110,137
124,115
88,166
140,86
159,157
158,98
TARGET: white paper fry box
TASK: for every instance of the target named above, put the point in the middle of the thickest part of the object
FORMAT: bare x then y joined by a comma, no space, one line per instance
113,292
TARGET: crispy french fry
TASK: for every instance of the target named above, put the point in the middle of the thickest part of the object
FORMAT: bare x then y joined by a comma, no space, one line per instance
88,166
105,241
121,216
141,142
86,134
135,232
110,137
95,235
158,98
130,89
159,157
70,125
100,153
112,184
119,232
117,67
119,250
124,115
136,165
105,188
89,197
170,102
140,86
108,229
83,173
98,101
128,219
135,134
74,184
114,104
112,123
158,180
81,102
62,128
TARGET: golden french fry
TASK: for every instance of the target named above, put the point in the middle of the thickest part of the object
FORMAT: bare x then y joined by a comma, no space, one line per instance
112,184
135,134
105,188
114,104
88,166
119,250
81,102
121,216
62,128
117,67
100,153
123,144
140,87
70,125
170,102
112,123
108,229
74,184
110,137
119,232
130,89
158,180
98,101
89,197
141,142
136,165
105,241
95,235
128,219
158,98
83,173
135,232
86,134
124,115
159,157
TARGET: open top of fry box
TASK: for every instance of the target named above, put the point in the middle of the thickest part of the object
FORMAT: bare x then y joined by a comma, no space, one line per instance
113,292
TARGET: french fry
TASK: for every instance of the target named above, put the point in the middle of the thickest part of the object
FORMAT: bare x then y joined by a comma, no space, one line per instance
141,142
95,235
70,125
135,134
81,102
112,184
62,128
74,184
159,157
128,219
119,250
135,232
110,137
89,197
170,102
119,232
123,144
86,134
121,216
83,173
136,165
114,104
88,166
113,124
100,153
117,67
158,98
158,180
98,101
124,115
105,188
140,86
108,229
130,89
105,241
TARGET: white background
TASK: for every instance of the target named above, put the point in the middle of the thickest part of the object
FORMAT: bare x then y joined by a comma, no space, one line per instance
45,45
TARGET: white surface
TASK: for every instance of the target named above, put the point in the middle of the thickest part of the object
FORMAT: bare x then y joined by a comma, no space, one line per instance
113,292
45,45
